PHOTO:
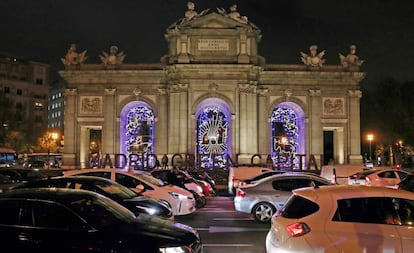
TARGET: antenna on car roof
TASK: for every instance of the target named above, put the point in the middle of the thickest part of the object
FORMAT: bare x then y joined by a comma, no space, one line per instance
315,186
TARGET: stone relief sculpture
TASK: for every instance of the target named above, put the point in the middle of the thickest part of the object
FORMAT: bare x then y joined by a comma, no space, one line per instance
333,106
233,14
315,59
351,61
72,57
113,58
91,105
191,14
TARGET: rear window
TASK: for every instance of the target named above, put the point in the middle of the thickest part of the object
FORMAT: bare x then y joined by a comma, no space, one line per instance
298,207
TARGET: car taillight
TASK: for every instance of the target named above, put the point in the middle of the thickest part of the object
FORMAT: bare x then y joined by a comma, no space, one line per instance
240,193
243,183
298,229
367,180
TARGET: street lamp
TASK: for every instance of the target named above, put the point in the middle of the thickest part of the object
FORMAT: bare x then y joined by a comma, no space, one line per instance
52,139
370,137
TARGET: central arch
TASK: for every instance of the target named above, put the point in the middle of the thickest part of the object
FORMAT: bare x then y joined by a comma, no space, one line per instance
213,133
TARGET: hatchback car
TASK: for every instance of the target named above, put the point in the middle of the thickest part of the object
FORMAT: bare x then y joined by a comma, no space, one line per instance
344,218
78,221
117,192
378,177
269,194
181,201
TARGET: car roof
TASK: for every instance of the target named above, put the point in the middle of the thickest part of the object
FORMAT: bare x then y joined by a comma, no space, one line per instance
295,174
350,191
49,193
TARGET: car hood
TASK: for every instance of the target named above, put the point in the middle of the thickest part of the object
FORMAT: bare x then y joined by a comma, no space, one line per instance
167,233
174,188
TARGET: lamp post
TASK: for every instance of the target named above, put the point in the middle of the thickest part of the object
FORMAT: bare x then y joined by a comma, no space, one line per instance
52,139
370,137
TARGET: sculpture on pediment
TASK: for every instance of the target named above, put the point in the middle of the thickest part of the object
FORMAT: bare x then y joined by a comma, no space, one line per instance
315,59
113,58
191,13
233,14
72,57
351,61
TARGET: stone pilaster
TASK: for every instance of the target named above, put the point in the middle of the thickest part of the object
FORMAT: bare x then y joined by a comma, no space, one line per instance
354,127
71,108
315,136
108,128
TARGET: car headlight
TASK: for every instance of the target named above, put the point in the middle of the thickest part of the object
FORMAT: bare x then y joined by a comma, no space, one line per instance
182,249
178,195
148,210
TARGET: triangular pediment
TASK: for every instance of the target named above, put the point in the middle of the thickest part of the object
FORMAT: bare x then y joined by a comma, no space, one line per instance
212,20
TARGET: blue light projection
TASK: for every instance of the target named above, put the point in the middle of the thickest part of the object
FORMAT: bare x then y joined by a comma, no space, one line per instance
285,138
212,137
137,132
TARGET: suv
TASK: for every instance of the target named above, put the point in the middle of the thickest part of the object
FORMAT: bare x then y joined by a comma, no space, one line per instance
77,221
344,218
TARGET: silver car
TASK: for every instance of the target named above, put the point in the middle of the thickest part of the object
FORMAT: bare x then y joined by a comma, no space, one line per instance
267,195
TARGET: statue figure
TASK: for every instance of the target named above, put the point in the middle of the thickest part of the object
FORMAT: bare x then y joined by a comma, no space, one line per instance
72,57
315,59
351,61
191,14
113,58
234,14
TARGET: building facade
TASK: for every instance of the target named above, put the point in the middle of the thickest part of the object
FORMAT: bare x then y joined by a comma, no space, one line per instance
24,86
211,102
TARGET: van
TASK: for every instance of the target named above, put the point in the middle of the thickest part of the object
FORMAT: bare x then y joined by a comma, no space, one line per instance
237,174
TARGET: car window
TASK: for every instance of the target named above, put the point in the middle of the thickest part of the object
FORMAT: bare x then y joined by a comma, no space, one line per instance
103,174
407,184
128,181
387,174
52,215
402,175
10,212
297,207
405,210
285,184
374,210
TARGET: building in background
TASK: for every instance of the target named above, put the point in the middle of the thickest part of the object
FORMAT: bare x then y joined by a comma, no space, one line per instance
214,100
24,90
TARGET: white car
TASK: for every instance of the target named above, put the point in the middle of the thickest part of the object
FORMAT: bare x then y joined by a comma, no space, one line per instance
344,218
180,200
378,177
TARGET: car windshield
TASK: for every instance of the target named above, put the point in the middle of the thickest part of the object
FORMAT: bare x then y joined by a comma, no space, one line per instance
116,190
150,179
101,212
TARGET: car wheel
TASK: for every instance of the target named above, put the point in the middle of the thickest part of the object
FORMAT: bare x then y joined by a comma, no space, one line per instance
263,212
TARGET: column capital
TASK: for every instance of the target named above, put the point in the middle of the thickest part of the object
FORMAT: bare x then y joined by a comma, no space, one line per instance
355,93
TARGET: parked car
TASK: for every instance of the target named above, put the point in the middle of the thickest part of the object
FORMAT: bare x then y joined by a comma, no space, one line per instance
117,192
378,177
237,174
77,221
24,175
181,201
7,183
344,218
268,195
203,175
182,179
254,179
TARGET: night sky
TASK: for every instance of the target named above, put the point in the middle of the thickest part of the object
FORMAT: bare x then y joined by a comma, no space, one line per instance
383,30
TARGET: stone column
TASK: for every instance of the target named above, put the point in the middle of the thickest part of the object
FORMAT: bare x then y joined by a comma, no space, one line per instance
177,123
161,124
71,108
263,123
315,136
248,122
108,128
354,143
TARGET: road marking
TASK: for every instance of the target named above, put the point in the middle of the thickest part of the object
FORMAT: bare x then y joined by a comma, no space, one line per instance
219,229
227,245
231,219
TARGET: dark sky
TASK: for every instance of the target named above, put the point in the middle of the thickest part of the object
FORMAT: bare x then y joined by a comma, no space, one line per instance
383,30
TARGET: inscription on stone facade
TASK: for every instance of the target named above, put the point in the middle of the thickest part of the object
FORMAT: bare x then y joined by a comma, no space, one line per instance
333,106
213,45
91,105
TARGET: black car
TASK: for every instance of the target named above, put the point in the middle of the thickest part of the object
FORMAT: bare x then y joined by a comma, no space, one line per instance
77,221
407,183
117,192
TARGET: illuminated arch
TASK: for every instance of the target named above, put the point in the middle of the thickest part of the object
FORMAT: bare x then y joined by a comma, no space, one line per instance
137,129
287,126
213,133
